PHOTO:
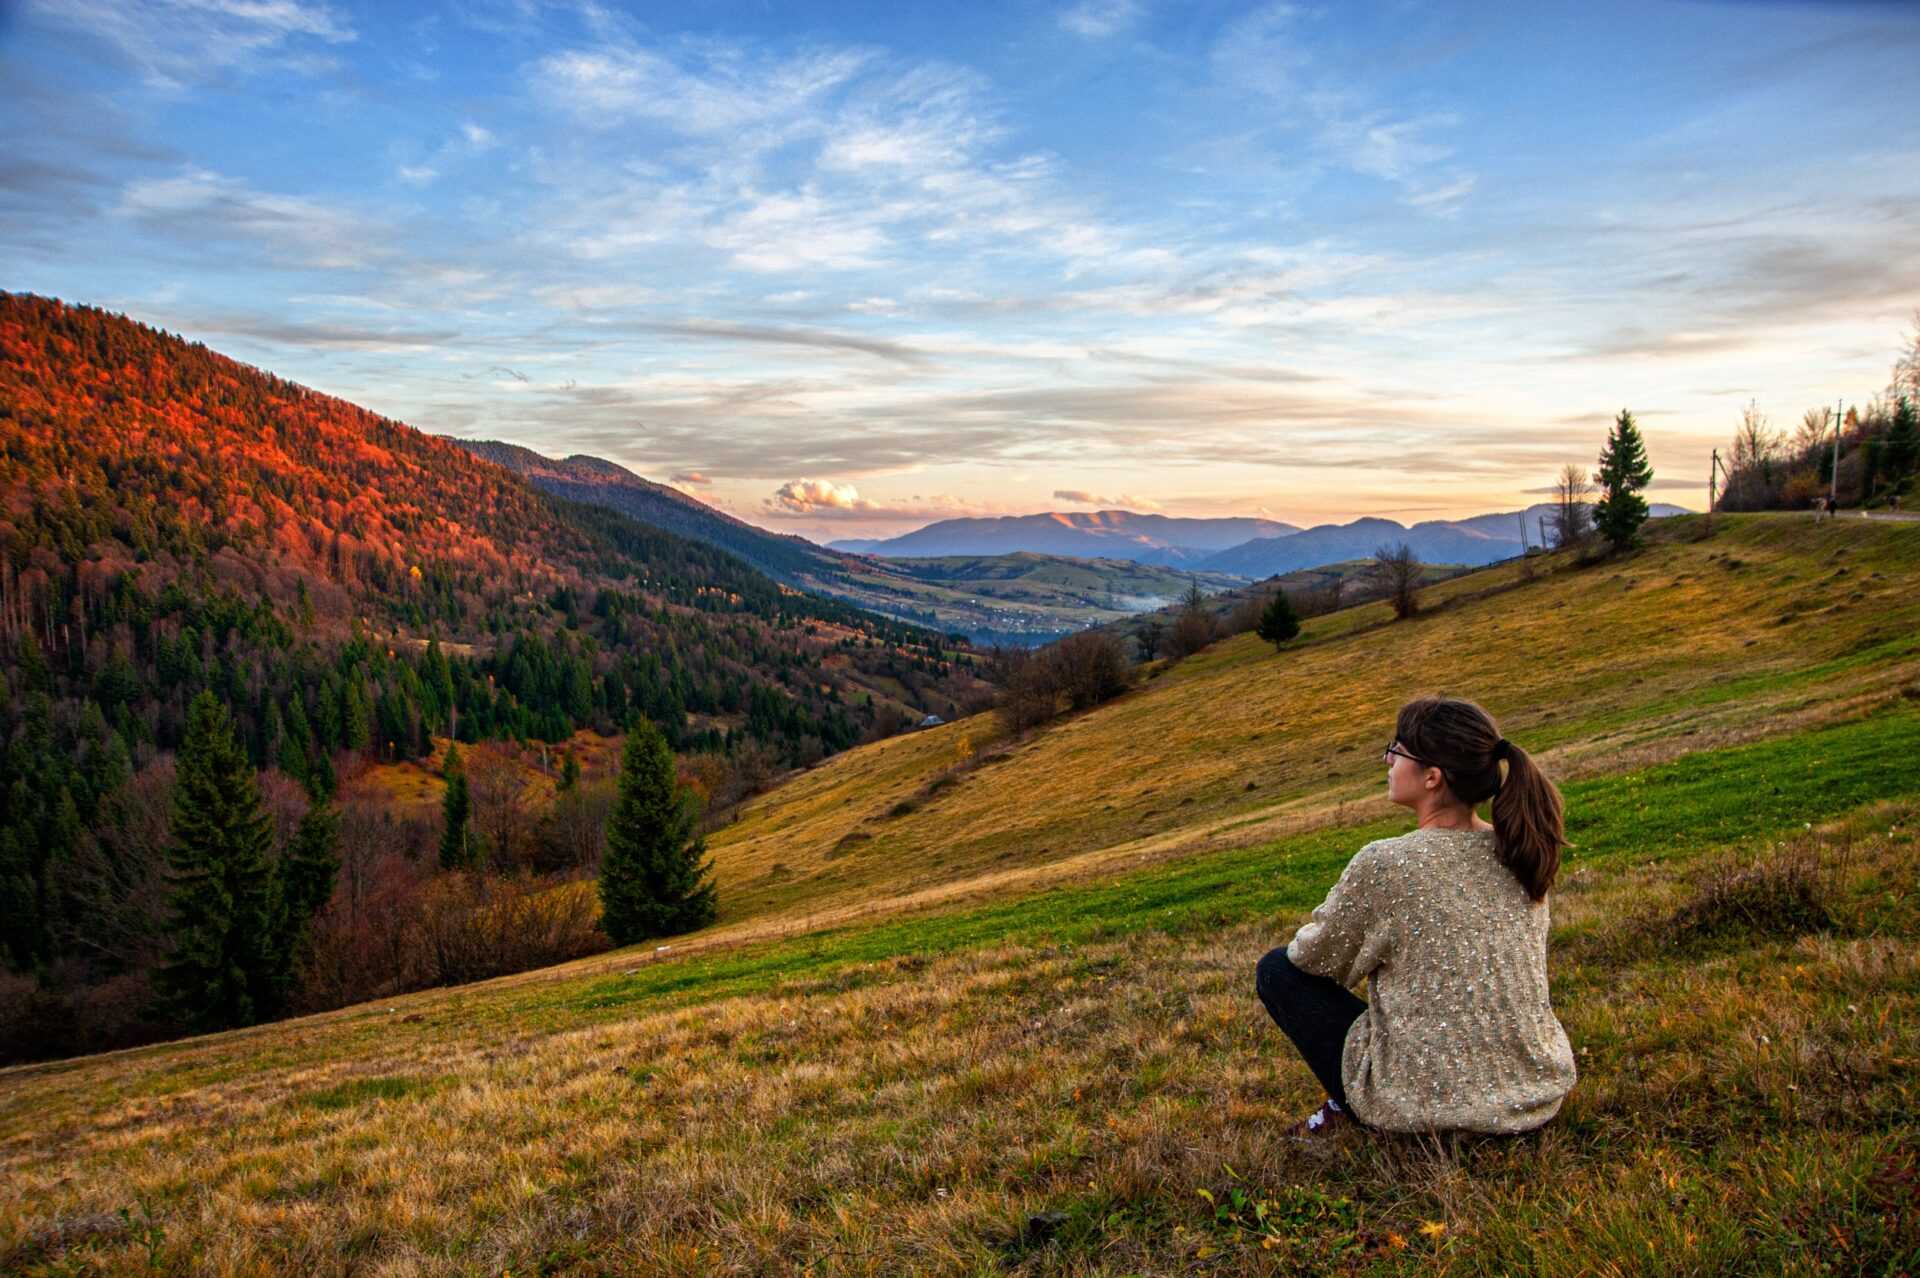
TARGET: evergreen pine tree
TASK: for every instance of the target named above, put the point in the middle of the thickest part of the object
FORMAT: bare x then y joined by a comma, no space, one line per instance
296,747
321,780
654,880
305,884
1278,621
356,720
1623,472
569,774
456,842
220,881
1903,443
439,680
272,734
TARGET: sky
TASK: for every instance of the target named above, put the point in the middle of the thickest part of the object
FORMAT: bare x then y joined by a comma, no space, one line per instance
845,269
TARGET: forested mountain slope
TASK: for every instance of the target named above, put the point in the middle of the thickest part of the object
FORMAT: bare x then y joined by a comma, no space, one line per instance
172,521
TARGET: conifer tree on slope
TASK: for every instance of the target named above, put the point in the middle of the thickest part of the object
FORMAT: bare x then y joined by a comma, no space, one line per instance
456,849
1902,450
304,885
221,971
1278,621
654,880
1623,472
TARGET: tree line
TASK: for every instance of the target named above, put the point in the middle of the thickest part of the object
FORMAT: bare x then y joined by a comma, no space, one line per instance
1867,457
242,922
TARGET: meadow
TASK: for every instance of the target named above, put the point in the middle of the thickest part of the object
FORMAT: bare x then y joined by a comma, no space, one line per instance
1693,642
1013,1030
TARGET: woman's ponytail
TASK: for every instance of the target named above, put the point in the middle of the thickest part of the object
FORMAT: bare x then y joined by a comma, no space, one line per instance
1462,740
1528,822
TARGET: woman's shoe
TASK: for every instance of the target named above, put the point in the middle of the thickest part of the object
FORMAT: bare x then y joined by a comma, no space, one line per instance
1323,1123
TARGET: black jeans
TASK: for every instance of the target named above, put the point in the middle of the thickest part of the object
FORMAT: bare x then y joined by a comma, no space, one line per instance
1313,1011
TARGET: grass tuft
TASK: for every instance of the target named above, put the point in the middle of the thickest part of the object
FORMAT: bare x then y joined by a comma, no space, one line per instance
1783,893
361,1091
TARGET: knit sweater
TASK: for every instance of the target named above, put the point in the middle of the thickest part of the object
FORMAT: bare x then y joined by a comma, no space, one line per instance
1458,1031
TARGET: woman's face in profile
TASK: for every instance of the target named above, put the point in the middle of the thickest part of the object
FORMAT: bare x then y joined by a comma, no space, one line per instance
1405,775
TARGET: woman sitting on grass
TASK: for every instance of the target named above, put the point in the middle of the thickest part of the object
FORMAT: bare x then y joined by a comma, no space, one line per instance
1448,925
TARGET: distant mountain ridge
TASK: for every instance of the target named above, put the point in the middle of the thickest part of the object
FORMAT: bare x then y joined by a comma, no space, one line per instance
1007,599
599,482
1476,541
1241,547
1164,540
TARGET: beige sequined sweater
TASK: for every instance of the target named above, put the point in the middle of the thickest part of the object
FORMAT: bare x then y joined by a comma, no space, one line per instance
1458,1031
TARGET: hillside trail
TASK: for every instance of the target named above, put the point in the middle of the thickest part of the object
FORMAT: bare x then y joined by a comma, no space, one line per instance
1850,516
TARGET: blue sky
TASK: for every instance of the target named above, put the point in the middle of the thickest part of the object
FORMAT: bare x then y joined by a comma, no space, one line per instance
842,270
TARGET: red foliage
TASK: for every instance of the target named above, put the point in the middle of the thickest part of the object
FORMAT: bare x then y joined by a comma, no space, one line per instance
178,451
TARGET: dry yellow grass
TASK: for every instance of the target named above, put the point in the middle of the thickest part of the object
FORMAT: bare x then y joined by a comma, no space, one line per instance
1586,666
1735,1108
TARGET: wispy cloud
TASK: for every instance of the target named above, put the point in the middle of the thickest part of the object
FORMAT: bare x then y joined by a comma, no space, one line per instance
839,160
720,90
760,334
174,43
204,209
1125,501
1099,19
1266,54
322,335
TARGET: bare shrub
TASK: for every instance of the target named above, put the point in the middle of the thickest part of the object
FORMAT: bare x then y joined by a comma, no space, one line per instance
1245,614
415,929
1030,690
1192,631
1075,673
1571,522
1089,667
473,926
1396,570
1320,598
358,944
572,831
500,805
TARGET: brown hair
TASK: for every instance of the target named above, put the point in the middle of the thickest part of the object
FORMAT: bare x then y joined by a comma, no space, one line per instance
1461,739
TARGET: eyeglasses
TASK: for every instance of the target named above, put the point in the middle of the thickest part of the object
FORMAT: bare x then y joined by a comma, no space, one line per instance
1386,755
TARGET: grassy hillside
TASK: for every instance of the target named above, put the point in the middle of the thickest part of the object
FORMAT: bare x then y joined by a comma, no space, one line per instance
1349,583
1766,624
917,1098
1045,1081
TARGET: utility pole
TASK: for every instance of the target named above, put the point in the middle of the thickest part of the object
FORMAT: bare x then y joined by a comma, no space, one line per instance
1833,490
1523,534
1713,486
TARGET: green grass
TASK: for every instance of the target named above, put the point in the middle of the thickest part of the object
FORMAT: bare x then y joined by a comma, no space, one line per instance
361,1091
1710,799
